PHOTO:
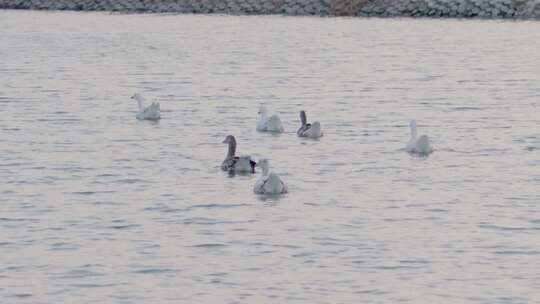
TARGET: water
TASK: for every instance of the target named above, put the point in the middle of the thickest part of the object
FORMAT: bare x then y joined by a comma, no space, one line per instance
97,207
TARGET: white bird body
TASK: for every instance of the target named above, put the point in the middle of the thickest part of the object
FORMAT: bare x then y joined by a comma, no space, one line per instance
243,164
309,130
151,112
314,131
269,124
418,145
269,182
237,164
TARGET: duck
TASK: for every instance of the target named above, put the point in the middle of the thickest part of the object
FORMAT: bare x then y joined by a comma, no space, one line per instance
418,145
309,130
269,182
236,164
151,112
268,124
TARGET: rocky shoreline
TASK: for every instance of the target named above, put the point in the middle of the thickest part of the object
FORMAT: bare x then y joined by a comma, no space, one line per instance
487,9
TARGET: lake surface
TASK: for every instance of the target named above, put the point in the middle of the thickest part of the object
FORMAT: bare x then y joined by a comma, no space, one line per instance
98,207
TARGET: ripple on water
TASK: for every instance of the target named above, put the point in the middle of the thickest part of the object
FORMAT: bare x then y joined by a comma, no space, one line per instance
167,209
132,181
79,274
61,246
92,285
21,295
517,252
211,246
212,221
504,228
85,193
151,270
218,206
124,227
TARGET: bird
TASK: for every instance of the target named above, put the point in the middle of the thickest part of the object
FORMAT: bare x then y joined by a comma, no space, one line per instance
151,112
268,124
309,130
269,182
419,145
236,164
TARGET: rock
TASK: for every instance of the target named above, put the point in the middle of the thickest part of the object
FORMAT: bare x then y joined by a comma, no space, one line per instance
520,9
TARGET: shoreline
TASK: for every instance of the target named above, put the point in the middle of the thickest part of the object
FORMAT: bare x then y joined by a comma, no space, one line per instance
467,9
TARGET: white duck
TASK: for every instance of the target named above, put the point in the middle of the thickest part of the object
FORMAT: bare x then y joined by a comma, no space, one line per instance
151,112
237,164
269,182
309,130
268,124
418,145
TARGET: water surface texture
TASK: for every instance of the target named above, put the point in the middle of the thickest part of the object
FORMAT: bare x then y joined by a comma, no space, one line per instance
98,207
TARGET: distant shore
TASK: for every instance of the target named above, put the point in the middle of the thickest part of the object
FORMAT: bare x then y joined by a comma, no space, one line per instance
486,9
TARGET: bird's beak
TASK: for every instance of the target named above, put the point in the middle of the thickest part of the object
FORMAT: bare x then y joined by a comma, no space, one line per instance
224,141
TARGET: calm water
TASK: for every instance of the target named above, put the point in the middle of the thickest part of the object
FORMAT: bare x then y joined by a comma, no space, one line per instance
97,207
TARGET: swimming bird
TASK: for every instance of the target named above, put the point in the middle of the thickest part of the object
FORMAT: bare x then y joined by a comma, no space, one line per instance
237,164
151,112
268,124
269,182
416,145
309,130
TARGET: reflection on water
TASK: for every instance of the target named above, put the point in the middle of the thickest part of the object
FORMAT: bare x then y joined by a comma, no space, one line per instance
100,207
